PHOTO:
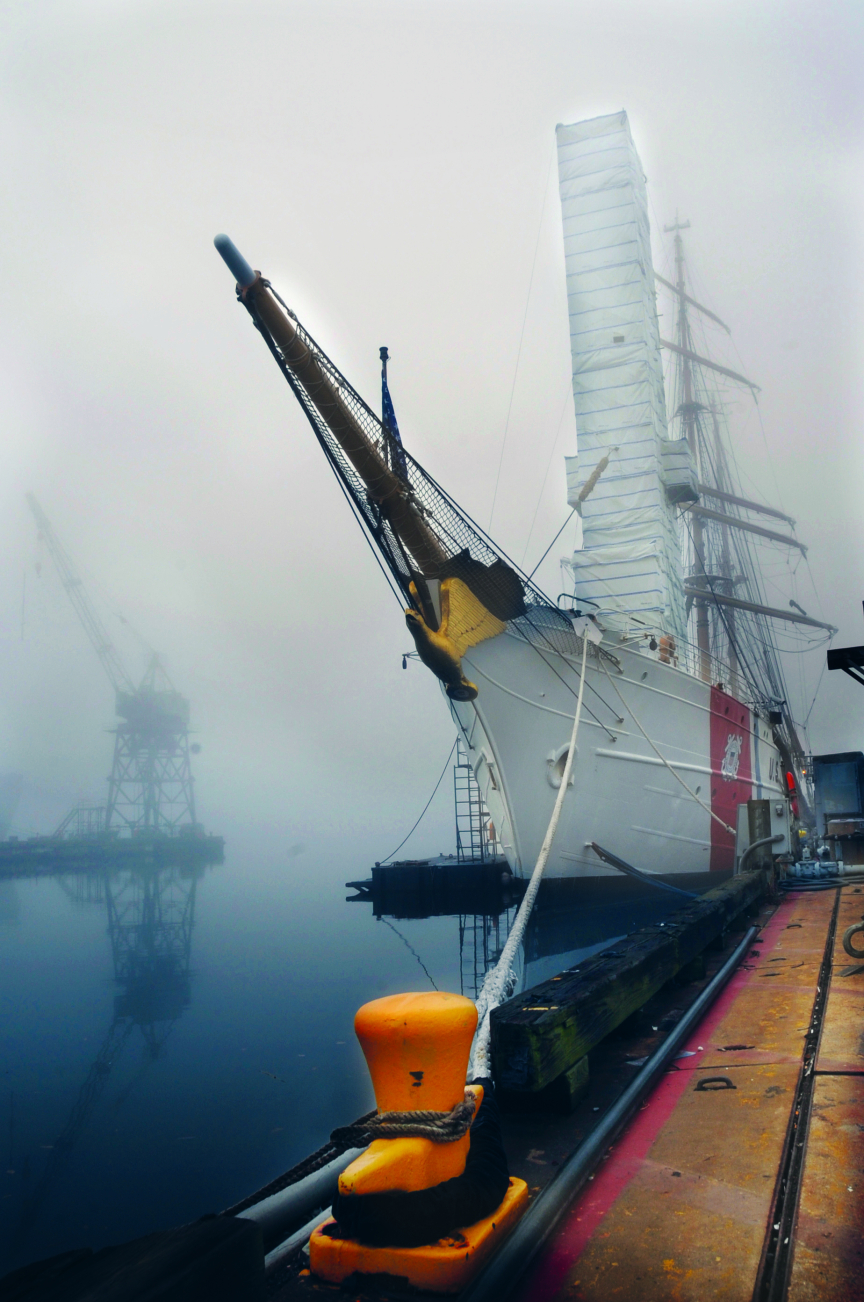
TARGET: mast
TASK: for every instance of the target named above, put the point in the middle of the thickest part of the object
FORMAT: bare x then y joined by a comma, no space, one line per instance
687,411
725,563
724,586
629,563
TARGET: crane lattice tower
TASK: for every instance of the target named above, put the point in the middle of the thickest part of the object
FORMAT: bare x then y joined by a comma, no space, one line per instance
151,788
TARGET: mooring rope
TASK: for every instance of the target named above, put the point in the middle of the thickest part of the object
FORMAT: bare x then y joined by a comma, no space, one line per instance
440,1127
314,1162
501,980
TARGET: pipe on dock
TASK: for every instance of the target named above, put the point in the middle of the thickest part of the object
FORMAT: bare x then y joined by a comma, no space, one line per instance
506,1269
756,845
281,1253
279,1213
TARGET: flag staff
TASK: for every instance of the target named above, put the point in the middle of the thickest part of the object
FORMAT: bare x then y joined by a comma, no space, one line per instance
393,441
385,393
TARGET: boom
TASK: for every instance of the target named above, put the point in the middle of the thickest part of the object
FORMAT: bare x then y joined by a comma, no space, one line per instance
423,536
77,593
151,784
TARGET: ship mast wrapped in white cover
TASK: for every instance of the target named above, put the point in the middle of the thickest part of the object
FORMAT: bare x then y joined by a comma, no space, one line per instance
630,560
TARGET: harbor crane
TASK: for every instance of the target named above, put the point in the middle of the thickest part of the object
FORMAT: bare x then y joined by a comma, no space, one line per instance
151,789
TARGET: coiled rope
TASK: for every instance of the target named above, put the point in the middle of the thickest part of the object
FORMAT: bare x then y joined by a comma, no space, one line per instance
440,1127
501,980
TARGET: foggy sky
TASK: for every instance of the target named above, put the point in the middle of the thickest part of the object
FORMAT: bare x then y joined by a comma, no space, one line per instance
390,167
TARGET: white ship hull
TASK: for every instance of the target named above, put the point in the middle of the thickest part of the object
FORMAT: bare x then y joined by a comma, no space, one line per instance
624,797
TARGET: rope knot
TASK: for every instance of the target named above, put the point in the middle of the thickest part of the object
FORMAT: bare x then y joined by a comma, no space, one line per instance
440,1127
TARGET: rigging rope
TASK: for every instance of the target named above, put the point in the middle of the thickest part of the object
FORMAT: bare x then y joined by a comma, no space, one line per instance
553,542
409,946
400,599
499,982
734,643
568,396
663,760
425,807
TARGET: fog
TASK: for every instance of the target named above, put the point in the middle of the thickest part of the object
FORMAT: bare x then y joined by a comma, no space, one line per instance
389,166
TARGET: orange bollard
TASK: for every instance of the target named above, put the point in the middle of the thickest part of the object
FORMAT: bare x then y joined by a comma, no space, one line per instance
417,1048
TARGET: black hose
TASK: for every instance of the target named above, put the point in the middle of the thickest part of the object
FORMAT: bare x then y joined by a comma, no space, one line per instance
755,845
504,1271
790,884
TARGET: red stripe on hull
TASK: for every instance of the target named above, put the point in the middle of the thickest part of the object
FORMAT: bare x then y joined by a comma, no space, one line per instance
731,773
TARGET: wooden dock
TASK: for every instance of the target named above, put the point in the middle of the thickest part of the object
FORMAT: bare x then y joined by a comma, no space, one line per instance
741,1176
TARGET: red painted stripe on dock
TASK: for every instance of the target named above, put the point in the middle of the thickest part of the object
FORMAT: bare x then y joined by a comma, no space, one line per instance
612,1178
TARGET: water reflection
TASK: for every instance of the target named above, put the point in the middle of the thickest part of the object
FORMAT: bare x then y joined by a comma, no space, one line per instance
481,940
151,915
482,895
572,918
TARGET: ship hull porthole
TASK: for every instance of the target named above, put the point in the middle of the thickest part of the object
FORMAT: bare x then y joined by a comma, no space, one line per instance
555,764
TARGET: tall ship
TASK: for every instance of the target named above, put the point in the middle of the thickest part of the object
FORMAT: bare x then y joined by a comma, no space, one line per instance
685,714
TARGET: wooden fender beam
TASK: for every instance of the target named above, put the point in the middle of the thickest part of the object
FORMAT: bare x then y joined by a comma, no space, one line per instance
546,1030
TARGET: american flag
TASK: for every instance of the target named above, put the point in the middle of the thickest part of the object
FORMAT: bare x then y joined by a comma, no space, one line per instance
396,452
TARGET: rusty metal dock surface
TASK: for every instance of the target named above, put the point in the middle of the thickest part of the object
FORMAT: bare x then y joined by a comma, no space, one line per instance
742,1177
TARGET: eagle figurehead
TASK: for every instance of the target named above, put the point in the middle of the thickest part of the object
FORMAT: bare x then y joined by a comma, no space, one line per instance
465,621
440,654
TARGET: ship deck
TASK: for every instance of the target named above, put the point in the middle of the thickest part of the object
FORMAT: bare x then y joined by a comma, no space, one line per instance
741,1175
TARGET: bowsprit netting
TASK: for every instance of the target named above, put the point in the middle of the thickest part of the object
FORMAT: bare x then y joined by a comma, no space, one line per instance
463,550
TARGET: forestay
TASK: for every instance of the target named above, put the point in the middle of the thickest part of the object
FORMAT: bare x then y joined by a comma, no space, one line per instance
630,560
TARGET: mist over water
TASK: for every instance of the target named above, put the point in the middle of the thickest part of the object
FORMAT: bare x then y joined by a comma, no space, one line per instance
133,1105
390,168
177,1098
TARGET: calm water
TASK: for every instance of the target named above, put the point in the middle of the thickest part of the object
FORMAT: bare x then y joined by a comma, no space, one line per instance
170,1043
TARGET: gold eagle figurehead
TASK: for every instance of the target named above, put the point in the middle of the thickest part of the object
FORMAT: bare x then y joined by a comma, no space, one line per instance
465,622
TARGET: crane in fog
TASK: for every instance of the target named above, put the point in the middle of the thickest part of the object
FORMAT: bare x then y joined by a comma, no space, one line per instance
151,788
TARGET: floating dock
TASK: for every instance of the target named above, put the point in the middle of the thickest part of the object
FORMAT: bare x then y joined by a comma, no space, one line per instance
46,856
441,887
